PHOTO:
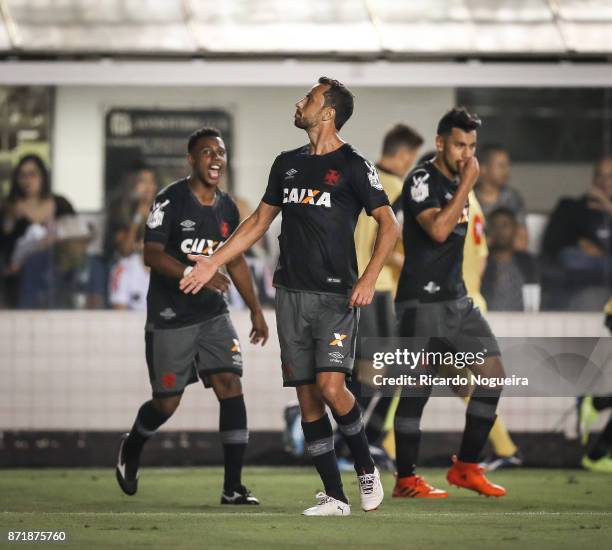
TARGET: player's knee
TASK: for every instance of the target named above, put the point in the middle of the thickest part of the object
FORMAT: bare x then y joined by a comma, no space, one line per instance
331,392
167,405
226,385
312,406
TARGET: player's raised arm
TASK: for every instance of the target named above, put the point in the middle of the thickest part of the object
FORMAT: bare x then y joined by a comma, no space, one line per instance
247,234
440,222
386,237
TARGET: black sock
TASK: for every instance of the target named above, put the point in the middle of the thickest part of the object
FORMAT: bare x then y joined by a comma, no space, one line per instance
603,445
351,426
234,436
602,402
340,446
479,419
407,428
375,428
148,420
319,437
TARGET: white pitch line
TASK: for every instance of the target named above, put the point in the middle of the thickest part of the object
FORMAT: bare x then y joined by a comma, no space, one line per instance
281,514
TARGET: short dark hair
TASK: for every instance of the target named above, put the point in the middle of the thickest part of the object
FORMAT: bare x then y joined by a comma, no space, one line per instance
459,117
487,151
16,192
207,131
401,136
502,211
340,98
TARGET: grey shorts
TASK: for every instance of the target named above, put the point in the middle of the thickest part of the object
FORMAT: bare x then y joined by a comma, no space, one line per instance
316,332
175,357
454,324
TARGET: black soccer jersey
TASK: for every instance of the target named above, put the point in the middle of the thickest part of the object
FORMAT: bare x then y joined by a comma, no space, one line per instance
184,226
432,271
321,197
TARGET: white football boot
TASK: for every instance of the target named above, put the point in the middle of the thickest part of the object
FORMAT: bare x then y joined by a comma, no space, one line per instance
370,490
328,506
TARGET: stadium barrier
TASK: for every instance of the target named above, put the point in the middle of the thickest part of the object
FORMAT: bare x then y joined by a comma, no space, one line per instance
77,375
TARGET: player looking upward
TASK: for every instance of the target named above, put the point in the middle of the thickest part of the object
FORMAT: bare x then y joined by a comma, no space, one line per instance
320,188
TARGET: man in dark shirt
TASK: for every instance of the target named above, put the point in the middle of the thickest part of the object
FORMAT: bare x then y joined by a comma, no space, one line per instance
191,335
432,302
577,238
320,188
511,276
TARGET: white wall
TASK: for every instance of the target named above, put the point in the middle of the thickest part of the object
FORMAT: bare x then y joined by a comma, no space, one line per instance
263,126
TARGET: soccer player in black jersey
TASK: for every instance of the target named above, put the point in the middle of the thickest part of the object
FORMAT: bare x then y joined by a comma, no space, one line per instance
191,335
432,302
320,188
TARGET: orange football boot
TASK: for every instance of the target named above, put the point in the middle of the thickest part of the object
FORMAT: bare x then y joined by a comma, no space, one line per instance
471,476
416,487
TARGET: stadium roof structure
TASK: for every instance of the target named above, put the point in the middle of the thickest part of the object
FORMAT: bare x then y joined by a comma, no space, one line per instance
310,29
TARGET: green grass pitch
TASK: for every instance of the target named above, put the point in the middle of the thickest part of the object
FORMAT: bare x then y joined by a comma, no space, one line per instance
179,508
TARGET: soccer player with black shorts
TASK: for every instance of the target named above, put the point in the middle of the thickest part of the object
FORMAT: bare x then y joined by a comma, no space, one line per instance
320,188
188,336
432,302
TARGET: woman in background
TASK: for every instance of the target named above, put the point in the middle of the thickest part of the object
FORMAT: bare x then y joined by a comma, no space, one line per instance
27,233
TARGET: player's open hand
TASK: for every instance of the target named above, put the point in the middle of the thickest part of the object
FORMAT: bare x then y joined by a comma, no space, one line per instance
362,294
203,271
259,332
219,283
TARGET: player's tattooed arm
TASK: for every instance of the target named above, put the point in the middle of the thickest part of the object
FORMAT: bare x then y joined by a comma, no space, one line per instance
159,261
439,223
386,237
240,273
247,234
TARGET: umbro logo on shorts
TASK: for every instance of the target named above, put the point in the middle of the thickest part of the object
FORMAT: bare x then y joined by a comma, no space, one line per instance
337,341
236,346
307,196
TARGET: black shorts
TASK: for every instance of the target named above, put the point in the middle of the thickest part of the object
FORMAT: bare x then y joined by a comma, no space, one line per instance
455,325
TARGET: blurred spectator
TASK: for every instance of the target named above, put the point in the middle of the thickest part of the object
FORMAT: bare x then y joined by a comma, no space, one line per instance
33,219
129,207
510,281
493,191
576,244
261,259
126,214
129,279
